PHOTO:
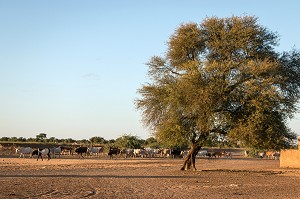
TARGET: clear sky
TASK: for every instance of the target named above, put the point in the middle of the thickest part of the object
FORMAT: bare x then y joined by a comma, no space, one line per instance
71,68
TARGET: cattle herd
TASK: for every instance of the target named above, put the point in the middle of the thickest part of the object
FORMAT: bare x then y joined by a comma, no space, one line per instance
85,152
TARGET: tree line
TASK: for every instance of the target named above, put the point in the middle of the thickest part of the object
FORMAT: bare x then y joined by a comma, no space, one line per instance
124,141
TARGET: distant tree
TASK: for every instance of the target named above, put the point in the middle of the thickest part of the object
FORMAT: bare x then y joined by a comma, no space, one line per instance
4,139
52,140
31,139
221,77
83,142
70,140
111,141
152,142
13,139
97,140
60,140
22,139
129,141
41,137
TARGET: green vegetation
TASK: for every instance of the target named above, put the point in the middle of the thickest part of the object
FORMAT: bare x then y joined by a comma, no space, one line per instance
222,79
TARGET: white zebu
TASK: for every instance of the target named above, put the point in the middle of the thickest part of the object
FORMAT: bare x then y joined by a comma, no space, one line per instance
261,154
202,153
56,151
151,153
98,151
166,153
139,153
127,153
24,150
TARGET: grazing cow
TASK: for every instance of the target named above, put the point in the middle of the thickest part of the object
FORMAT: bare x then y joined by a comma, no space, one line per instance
42,152
209,154
95,151
227,154
127,153
176,153
203,153
34,152
80,151
269,154
113,151
66,150
166,153
261,154
276,155
24,150
215,154
272,155
56,151
184,153
139,153
151,153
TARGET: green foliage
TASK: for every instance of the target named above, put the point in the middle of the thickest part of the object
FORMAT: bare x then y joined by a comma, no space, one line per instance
52,140
151,142
222,77
41,137
70,140
97,140
129,141
4,139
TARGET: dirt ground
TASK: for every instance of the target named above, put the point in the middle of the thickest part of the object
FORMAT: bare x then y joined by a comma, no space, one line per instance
146,178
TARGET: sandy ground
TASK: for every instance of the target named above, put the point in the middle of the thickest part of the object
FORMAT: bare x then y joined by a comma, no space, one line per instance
146,178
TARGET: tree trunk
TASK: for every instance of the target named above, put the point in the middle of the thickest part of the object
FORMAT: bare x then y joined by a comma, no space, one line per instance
189,161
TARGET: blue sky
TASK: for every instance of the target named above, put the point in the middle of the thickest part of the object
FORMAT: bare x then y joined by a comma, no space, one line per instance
71,68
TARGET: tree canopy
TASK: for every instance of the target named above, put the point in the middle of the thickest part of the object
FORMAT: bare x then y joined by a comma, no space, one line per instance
129,141
222,77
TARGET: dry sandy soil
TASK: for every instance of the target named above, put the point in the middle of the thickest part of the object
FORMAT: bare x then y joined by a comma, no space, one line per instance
146,178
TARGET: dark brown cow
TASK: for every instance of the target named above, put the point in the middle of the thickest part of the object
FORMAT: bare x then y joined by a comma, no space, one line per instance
68,150
81,150
113,151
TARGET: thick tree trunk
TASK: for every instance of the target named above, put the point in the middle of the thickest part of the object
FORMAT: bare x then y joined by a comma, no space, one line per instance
189,162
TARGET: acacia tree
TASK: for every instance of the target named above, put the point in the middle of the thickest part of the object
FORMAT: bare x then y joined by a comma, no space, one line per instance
97,140
41,137
129,141
224,77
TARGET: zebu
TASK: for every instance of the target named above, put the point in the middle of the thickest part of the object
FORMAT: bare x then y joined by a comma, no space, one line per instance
81,150
42,152
166,153
184,153
113,151
24,150
127,153
95,151
176,153
151,153
139,153
273,155
227,154
56,151
34,152
66,150
202,153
